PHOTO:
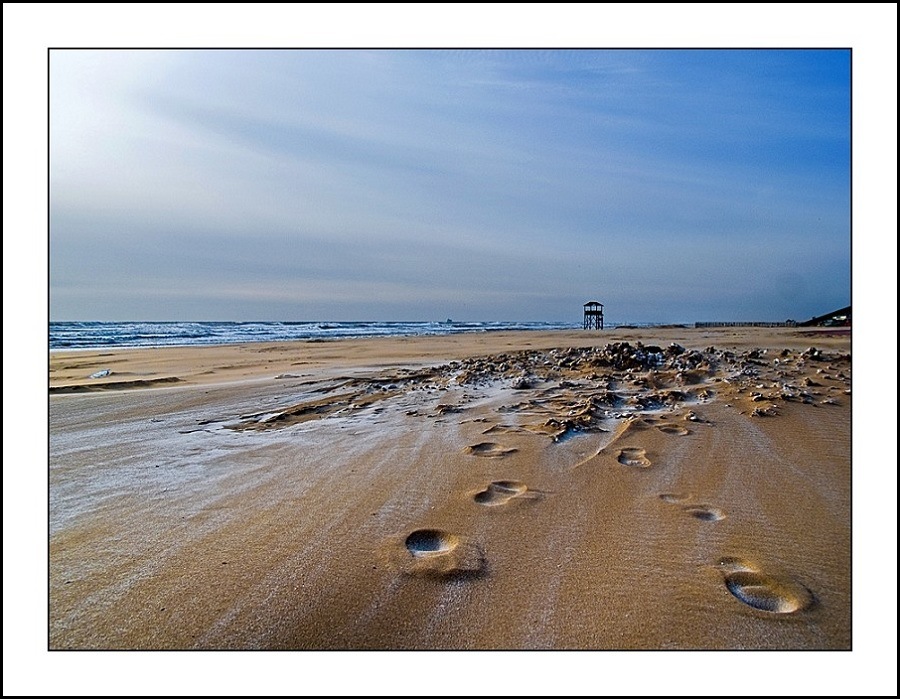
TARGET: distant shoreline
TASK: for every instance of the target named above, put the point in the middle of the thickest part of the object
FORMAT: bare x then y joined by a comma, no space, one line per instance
145,367
66,336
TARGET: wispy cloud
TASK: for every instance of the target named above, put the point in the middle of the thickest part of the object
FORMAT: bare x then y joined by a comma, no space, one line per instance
503,184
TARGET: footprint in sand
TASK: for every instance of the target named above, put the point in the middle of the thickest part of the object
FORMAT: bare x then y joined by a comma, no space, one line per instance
634,456
707,513
439,554
500,492
675,498
767,593
489,449
430,542
674,429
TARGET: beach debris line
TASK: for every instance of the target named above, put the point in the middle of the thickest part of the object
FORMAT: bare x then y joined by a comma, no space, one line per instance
115,385
566,391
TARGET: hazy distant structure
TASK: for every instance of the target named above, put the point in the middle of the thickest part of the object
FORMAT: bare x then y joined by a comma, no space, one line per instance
593,315
840,317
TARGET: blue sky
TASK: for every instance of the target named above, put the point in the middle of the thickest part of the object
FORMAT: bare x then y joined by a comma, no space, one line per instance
673,185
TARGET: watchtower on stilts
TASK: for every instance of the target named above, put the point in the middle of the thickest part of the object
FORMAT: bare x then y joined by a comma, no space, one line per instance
593,315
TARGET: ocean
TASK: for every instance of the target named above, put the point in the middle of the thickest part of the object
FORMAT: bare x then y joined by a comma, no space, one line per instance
96,335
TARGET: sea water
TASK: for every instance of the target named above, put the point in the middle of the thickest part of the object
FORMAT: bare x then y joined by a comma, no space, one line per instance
96,335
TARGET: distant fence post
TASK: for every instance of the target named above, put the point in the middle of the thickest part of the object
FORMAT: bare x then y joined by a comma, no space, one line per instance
747,324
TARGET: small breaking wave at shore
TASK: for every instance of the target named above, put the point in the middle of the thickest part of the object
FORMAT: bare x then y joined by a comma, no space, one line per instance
101,335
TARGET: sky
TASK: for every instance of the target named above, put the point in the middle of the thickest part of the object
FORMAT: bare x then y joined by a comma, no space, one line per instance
671,185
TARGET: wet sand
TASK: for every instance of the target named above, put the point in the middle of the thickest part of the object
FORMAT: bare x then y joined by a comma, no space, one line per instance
630,489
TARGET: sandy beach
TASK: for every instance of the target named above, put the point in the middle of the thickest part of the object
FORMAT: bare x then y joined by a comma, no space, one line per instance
670,488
